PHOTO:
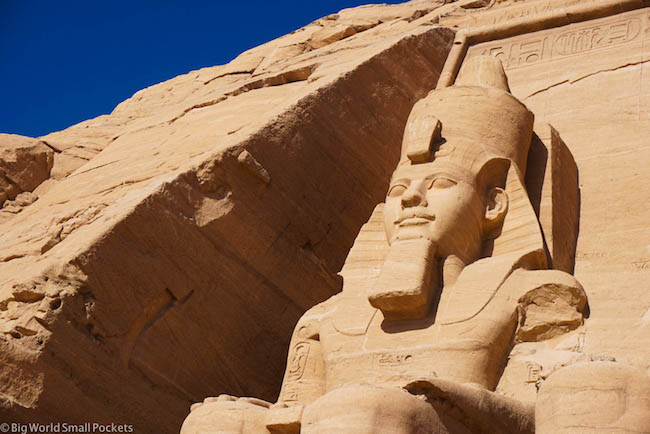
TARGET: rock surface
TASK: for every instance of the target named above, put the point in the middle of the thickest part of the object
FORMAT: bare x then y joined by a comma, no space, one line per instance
185,233
181,237
24,164
597,96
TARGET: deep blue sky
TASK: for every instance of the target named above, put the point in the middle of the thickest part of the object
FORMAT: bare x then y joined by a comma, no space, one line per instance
62,62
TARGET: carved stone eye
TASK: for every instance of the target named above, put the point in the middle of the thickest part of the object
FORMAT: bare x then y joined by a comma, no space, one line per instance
441,183
396,190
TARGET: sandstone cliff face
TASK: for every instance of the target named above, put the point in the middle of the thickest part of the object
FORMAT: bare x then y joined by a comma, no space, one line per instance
183,235
179,238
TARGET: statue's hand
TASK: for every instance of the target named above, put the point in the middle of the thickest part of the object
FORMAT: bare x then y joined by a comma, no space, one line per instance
245,401
226,413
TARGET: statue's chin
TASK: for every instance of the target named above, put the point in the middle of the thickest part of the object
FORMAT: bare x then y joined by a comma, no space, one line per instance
407,281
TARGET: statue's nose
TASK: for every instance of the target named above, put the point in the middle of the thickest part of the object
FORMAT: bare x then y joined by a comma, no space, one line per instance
413,197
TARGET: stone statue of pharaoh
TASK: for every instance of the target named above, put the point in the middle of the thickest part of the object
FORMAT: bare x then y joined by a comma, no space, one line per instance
420,345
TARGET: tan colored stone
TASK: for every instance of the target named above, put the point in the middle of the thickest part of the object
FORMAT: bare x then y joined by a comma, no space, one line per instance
552,182
370,410
24,164
206,194
238,189
223,415
459,277
596,97
284,419
594,397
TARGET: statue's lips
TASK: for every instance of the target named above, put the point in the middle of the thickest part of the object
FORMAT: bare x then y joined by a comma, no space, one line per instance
415,219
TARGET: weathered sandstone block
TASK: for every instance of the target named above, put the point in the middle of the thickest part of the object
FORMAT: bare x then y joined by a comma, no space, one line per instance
24,164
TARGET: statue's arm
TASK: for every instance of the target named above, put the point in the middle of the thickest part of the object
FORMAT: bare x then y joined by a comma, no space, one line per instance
488,411
304,377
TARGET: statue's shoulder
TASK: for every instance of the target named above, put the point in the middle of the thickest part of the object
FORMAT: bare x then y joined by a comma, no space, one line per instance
550,303
347,312
531,284
326,306
317,313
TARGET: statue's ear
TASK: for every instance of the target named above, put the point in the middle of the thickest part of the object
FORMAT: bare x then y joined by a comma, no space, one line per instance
496,208
491,182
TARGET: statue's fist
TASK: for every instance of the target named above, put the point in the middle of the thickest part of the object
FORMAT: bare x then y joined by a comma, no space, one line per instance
229,398
226,413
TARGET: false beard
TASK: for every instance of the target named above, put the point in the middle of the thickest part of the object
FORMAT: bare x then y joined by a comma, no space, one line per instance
408,281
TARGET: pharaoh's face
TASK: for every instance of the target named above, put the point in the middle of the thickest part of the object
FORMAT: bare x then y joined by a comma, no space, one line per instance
429,201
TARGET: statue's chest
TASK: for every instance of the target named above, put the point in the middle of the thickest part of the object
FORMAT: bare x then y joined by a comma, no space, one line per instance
355,326
372,359
374,352
358,346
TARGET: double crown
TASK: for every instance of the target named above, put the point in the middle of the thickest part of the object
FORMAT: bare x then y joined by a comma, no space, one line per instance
470,123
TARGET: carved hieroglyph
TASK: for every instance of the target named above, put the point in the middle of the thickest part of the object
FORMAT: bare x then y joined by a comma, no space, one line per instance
460,276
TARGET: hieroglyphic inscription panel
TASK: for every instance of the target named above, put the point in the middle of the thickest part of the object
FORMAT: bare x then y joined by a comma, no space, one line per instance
521,10
567,41
298,362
